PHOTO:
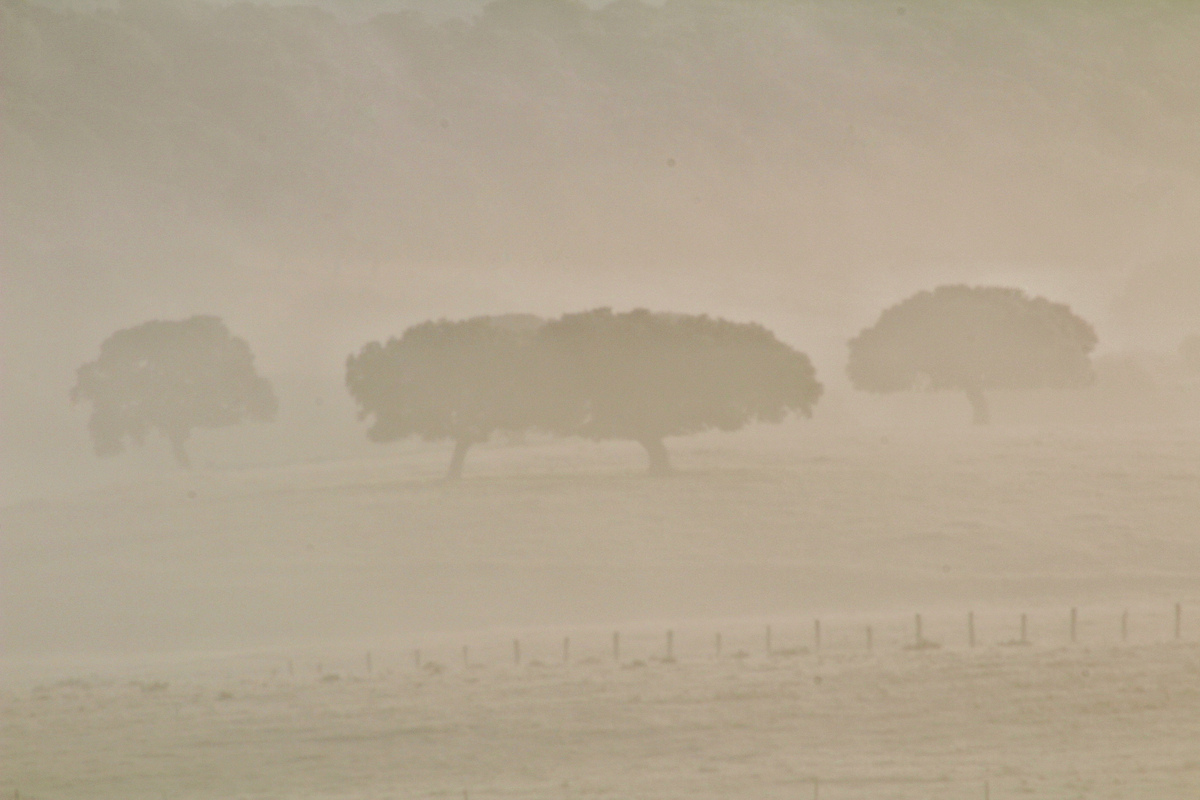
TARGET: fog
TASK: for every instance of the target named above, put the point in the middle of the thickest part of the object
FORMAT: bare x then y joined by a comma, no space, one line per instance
319,180
323,175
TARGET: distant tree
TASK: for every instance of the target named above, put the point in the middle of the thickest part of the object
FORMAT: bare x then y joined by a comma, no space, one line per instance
171,377
460,381
1190,351
973,339
645,376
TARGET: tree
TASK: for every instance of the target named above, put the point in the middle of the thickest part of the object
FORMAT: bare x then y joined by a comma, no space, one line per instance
171,377
973,339
1190,352
646,376
440,380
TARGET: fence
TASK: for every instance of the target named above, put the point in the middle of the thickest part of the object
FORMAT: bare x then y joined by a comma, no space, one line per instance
642,643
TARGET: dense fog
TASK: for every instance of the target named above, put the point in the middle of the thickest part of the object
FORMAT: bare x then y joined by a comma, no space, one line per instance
646,398
318,178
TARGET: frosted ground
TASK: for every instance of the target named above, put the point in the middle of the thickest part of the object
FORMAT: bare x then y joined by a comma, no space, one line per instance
206,636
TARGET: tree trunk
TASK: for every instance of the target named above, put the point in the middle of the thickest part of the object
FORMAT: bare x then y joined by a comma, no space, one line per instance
660,462
979,406
179,449
461,446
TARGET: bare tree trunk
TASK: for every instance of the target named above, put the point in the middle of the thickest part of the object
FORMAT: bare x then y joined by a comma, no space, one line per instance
660,462
979,406
461,446
179,449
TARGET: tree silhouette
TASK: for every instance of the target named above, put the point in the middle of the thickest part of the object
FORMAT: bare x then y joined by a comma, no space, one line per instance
448,380
645,376
171,377
1189,350
973,339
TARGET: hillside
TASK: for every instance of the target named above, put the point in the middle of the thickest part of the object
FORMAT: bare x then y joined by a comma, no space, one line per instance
319,180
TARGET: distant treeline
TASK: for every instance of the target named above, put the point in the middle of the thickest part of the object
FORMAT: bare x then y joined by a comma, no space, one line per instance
637,375
547,131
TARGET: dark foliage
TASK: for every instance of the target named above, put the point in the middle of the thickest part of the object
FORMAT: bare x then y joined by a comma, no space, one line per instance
645,376
973,339
171,377
637,376
448,380
1190,351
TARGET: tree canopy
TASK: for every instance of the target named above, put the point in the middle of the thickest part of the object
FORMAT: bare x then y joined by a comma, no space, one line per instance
645,376
973,339
171,377
1190,351
440,380
638,376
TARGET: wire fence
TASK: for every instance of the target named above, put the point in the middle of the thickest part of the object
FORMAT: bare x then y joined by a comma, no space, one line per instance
810,640
639,644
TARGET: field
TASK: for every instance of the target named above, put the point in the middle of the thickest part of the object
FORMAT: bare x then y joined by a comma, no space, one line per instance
207,635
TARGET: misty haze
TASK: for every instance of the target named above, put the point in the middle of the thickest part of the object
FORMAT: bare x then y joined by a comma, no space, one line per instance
633,399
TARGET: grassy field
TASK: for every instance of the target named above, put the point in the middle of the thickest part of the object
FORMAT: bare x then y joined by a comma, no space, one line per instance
177,637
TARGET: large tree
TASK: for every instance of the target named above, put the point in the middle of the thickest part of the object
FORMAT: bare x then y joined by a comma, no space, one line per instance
460,380
172,377
973,339
644,376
